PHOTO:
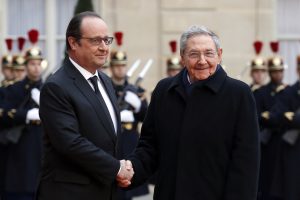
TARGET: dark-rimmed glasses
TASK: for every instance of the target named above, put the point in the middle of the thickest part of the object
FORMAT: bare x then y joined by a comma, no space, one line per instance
197,55
96,41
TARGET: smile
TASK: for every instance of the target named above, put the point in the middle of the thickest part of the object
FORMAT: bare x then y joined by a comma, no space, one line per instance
201,68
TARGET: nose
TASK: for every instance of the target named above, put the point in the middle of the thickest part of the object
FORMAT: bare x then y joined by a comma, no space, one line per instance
102,46
201,59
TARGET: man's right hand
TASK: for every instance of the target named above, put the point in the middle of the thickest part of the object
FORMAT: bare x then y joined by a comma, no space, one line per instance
125,174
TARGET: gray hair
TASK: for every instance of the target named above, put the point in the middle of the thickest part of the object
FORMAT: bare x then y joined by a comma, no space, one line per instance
194,31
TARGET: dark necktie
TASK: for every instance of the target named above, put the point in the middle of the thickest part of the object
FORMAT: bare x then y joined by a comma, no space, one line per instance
94,81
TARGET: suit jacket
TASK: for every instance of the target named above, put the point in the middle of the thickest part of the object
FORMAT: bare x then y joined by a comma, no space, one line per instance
203,145
80,142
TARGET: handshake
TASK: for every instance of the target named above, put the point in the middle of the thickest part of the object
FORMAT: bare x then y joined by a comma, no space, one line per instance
125,174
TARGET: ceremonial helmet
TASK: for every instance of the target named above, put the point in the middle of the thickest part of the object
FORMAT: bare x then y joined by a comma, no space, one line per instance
275,62
258,63
18,61
6,60
34,52
118,57
173,62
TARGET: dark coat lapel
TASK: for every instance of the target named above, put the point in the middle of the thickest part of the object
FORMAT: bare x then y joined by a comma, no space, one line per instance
88,92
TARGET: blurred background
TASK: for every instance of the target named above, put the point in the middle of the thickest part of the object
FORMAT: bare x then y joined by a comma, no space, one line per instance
148,26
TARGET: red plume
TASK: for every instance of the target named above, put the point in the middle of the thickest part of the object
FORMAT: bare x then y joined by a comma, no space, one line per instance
33,36
274,46
173,45
9,43
119,37
257,46
21,42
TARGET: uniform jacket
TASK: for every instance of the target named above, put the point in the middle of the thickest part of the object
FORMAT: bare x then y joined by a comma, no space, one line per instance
205,145
267,98
80,141
290,154
23,159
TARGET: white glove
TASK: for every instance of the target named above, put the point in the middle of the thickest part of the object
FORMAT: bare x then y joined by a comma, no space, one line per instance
133,100
127,116
32,114
35,95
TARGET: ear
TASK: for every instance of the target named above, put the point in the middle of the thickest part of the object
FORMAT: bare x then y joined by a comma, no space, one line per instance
182,61
72,42
220,52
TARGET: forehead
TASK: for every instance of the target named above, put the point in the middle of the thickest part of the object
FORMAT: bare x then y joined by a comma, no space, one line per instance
200,42
276,72
93,26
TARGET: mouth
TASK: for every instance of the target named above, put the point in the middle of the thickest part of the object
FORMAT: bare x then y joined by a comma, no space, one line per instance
102,56
201,68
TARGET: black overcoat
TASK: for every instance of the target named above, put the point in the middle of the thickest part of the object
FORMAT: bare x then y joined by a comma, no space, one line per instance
205,145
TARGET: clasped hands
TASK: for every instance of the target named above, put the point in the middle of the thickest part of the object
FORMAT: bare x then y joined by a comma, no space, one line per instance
125,174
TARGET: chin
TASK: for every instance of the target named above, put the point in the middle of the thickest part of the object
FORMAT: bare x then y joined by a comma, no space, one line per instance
202,76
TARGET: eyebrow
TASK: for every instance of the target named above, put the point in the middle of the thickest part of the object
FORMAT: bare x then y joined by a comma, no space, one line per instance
207,50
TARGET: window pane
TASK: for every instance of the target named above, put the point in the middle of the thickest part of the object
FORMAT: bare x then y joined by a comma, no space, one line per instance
24,15
65,10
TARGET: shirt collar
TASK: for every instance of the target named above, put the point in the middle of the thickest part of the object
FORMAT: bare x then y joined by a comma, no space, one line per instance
85,73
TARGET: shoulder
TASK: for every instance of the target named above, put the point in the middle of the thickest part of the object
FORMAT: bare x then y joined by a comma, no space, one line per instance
57,81
237,85
165,83
281,88
17,86
58,76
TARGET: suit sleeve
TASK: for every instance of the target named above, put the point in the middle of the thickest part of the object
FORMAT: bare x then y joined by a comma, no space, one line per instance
61,128
242,179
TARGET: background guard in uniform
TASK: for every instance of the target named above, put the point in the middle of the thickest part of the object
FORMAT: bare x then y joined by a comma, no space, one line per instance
6,66
288,112
133,106
21,107
270,130
19,62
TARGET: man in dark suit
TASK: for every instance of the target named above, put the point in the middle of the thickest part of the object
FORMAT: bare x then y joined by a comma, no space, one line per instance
201,131
80,117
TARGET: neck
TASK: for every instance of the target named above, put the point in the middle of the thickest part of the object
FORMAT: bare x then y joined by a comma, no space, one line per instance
33,79
118,81
90,69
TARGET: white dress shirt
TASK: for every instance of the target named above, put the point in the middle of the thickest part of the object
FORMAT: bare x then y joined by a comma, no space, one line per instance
86,74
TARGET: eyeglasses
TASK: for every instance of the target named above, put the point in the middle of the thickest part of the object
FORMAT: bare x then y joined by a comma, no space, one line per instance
197,55
96,41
